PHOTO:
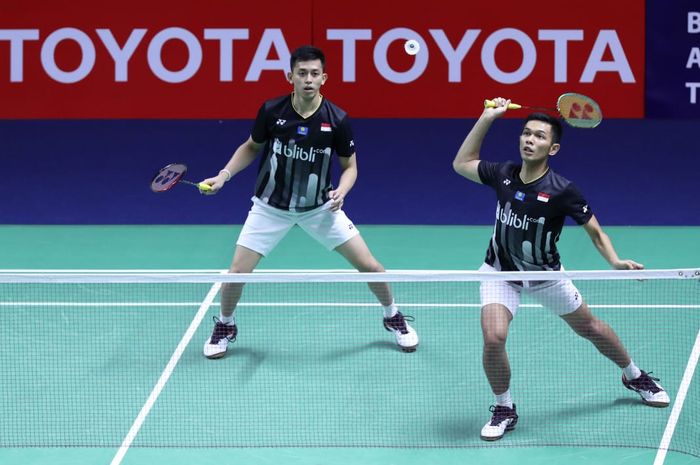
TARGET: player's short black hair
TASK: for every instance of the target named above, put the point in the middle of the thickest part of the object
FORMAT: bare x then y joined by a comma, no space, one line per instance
307,53
549,119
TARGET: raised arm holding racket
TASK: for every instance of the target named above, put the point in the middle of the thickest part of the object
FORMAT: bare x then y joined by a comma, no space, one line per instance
532,204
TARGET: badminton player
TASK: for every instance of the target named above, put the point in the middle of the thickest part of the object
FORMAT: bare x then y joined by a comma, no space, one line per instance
533,202
298,135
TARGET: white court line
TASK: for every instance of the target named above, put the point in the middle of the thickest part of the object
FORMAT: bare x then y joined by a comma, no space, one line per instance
678,402
169,271
308,304
158,388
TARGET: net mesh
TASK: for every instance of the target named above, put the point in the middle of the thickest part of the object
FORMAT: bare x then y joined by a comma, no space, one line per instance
89,360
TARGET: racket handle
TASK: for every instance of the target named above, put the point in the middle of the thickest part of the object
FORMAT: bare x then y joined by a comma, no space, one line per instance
492,104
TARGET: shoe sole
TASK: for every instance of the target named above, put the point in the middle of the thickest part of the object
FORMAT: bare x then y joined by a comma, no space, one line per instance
656,404
408,350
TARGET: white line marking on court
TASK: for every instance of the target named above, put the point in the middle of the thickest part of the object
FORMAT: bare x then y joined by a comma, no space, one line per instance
158,388
308,304
171,271
678,403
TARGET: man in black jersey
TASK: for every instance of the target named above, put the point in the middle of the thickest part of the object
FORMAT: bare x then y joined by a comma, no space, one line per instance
298,135
533,202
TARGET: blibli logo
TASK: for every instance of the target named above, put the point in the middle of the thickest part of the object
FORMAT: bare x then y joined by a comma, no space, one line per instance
294,152
512,219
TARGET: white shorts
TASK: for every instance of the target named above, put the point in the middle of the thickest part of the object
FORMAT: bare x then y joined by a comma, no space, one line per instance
266,226
560,297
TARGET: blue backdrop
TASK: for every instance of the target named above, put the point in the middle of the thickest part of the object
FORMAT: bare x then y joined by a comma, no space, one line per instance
633,172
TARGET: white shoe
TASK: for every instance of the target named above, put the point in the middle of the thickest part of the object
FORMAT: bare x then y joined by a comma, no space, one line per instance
406,337
217,345
502,420
648,389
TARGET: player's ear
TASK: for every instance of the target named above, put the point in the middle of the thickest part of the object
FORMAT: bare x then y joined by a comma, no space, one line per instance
289,78
554,149
324,77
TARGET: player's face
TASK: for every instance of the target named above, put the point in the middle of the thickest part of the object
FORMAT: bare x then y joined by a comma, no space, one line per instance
536,142
307,78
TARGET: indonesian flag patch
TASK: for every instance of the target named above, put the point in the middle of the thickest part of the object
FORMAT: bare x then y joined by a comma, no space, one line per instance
325,127
542,197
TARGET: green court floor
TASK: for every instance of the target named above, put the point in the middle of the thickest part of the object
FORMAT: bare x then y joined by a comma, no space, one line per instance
322,369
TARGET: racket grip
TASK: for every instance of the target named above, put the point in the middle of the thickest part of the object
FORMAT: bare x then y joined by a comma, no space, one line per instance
492,104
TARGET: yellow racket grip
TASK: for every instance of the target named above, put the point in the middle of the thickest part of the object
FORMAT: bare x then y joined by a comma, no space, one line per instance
203,187
492,104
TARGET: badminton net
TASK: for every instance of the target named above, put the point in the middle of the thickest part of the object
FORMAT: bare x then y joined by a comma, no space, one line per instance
106,359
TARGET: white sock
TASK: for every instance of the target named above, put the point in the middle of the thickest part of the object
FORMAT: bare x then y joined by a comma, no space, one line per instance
504,399
227,320
390,310
631,371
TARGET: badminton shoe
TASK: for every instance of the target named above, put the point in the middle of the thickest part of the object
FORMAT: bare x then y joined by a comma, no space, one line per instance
503,419
648,389
217,344
406,337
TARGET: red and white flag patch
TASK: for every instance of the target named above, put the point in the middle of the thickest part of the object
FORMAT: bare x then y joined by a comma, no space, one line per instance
325,127
543,197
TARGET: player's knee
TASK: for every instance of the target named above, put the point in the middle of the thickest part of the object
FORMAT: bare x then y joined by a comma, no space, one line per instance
494,339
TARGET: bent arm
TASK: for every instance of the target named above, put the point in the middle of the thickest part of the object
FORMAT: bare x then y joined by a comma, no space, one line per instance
466,162
605,248
241,158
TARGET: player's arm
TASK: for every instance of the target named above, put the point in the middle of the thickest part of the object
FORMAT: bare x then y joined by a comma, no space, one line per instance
466,161
604,245
348,176
241,158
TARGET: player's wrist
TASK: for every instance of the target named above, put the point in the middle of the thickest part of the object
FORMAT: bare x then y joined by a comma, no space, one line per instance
226,173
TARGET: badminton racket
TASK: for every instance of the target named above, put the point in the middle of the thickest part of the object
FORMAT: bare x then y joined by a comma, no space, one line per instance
172,174
577,110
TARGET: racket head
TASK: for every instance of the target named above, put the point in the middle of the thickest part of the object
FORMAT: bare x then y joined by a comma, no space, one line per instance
579,110
167,177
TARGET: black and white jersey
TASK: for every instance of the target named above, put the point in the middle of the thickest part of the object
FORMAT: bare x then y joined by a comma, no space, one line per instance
295,170
529,217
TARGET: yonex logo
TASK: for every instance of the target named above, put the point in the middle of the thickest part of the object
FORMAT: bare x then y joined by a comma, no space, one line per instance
280,122
506,182
585,209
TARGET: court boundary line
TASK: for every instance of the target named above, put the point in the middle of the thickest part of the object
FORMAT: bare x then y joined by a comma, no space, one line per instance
165,375
321,304
678,402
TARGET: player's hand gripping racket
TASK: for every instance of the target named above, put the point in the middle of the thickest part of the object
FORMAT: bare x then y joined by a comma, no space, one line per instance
577,110
172,174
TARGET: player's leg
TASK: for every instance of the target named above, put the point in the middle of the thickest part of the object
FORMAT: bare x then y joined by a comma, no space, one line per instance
357,253
244,261
261,232
499,303
225,329
336,232
598,333
565,299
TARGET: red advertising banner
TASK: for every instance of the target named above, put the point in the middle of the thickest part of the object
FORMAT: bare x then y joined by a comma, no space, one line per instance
222,58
